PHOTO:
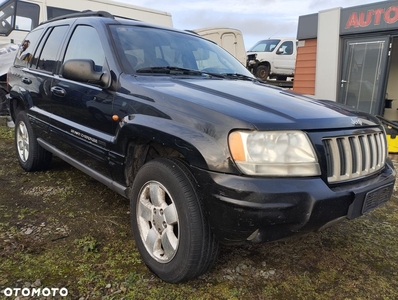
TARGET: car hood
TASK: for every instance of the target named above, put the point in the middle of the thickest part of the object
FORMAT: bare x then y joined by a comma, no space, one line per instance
263,106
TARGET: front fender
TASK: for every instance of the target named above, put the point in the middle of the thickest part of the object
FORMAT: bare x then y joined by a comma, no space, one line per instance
199,148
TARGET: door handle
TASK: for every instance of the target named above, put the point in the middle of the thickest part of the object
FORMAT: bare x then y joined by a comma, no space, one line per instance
342,83
58,91
26,80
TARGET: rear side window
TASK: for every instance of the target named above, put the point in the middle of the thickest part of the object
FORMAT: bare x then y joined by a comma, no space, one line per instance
85,43
25,51
48,57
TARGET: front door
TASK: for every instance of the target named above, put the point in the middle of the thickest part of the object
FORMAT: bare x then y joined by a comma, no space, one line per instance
82,112
364,71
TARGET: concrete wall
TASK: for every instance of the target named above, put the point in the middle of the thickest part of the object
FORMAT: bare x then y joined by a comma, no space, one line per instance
392,87
327,59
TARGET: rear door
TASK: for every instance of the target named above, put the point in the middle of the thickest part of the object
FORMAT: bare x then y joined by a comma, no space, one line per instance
37,69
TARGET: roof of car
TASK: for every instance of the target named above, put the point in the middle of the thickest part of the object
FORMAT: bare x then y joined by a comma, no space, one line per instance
85,13
108,17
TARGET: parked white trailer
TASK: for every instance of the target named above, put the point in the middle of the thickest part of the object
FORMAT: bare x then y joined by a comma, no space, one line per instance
228,38
18,17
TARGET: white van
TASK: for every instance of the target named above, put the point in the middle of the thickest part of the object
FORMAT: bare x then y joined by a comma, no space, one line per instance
228,38
18,17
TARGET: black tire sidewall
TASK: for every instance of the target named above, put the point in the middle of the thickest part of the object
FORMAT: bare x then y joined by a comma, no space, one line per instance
259,70
178,269
3,102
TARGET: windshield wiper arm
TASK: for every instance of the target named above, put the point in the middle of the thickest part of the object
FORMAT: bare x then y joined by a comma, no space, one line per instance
238,76
170,70
163,70
173,70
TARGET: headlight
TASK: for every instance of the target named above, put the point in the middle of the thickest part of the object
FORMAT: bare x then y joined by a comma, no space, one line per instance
274,153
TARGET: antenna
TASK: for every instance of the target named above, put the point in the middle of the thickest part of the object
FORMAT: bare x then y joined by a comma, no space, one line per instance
276,33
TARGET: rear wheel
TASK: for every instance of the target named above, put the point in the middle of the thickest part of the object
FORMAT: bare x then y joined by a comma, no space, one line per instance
170,229
31,156
262,72
3,103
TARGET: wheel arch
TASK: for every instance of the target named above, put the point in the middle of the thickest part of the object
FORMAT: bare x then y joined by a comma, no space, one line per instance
18,101
144,138
264,63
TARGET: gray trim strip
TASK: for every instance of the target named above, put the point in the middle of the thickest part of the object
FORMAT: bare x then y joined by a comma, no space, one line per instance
120,189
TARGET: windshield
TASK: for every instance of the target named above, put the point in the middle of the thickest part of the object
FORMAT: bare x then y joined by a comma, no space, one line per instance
145,49
265,46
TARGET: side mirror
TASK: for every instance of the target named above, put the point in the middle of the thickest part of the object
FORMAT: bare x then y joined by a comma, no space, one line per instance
83,70
280,51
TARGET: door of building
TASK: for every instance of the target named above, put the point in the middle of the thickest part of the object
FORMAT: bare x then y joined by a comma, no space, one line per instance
365,63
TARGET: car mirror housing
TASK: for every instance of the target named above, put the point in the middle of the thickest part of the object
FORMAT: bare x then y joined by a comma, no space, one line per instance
83,70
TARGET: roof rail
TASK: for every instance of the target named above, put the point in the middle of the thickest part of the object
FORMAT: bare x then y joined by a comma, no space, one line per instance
84,13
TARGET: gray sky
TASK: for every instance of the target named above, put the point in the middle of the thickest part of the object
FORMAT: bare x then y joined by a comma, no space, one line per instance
257,19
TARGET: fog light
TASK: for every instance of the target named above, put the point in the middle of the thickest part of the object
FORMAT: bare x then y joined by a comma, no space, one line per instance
253,235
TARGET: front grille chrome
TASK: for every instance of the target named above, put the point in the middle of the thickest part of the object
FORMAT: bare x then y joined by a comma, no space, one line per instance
354,156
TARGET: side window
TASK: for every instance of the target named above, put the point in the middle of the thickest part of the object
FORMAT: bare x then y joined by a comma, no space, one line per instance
286,47
85,43
7,18
24,16
48,56
25,51
27,16
53,12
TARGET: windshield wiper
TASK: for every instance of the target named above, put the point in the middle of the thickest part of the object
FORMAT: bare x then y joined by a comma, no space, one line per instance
238,76
169,70
172,70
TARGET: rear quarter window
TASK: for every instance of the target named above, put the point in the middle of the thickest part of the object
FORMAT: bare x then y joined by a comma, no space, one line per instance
26,49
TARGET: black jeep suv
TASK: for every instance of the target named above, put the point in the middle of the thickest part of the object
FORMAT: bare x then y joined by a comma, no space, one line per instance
205,152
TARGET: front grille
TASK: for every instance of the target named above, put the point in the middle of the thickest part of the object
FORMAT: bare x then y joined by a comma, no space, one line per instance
354,156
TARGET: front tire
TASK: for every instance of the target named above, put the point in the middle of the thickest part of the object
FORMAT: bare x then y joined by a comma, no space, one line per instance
31,156
169,227
262,72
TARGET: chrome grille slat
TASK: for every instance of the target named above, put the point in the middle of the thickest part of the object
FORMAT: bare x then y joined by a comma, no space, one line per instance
373,155
354,156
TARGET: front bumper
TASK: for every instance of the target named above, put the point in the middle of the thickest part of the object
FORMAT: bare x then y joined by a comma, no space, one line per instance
252,64
254,209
